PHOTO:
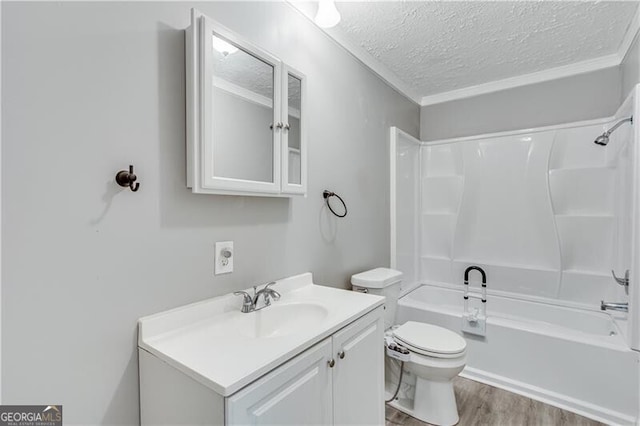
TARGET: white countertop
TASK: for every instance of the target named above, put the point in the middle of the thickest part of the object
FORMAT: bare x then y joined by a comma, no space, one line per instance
199,339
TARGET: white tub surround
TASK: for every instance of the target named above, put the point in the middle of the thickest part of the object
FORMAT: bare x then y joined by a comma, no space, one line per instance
545,212
315,346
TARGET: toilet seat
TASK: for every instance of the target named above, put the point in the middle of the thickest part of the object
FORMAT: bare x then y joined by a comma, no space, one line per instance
430,340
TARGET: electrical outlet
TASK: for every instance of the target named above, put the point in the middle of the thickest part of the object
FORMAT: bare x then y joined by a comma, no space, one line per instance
224,257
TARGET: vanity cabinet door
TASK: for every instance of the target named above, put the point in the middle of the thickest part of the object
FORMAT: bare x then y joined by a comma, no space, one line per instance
358,376
296,393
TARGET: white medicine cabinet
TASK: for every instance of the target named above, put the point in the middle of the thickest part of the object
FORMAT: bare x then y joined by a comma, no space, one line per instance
245,123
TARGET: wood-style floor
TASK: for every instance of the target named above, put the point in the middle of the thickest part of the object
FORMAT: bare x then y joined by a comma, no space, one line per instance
480,404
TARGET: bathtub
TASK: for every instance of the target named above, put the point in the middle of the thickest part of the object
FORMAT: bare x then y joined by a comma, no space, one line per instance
572,358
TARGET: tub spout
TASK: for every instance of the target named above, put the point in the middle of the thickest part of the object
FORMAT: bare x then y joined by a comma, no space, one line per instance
614,306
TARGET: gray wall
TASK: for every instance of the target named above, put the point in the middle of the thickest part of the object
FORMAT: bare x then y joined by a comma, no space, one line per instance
89,88
581,97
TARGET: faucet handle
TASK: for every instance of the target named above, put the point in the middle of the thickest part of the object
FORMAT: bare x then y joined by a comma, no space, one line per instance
247,302
271,292
246,295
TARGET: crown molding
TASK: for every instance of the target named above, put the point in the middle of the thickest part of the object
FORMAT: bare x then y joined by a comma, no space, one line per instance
582,67
524,79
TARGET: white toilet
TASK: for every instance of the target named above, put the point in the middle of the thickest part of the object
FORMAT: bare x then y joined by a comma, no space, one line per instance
437,355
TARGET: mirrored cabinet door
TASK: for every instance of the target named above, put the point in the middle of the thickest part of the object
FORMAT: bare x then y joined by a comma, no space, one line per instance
242,114
294,162
241,107
234,102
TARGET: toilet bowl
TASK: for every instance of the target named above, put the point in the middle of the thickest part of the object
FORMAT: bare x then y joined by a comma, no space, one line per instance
437,355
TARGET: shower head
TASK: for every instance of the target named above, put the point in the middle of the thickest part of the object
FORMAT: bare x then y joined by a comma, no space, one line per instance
603,139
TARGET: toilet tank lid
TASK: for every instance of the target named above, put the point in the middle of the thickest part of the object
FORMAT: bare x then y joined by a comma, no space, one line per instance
376,278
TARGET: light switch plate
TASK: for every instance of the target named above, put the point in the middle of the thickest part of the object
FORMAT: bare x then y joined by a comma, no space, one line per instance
224,257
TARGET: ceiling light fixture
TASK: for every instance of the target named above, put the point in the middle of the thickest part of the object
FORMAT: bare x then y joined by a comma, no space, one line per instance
327,16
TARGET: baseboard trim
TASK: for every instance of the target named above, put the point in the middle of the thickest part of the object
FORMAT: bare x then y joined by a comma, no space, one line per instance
564,402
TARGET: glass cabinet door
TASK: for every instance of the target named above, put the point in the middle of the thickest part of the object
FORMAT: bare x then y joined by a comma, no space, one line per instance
294,147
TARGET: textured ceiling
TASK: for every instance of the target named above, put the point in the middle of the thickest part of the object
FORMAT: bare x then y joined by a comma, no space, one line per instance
436,46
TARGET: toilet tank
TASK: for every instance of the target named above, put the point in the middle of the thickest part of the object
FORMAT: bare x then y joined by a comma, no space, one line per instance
383,282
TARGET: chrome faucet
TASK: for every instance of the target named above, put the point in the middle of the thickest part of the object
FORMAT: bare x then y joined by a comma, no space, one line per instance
614,306
249,302
267,293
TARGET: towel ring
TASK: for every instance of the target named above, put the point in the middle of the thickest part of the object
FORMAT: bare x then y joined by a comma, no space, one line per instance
328,194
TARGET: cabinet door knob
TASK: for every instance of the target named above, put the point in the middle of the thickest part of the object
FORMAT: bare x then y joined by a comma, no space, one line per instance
279,125
332,362
287,127
341,354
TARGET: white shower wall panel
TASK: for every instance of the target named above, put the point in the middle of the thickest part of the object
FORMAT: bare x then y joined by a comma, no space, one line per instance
442,160
406,183
506,216
441,194
587,242
437,269
574,148
586,289
585,191
543,212
436,234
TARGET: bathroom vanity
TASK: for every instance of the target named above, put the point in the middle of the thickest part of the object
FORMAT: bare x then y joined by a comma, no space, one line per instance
313,357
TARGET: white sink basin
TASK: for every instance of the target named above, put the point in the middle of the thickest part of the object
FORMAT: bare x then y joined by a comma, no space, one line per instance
225,349
280,320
